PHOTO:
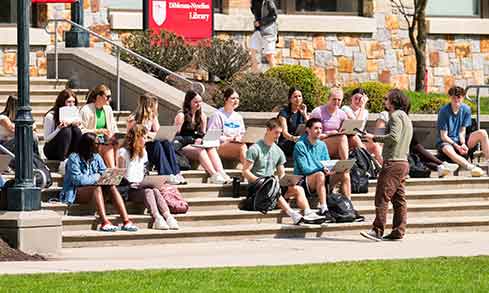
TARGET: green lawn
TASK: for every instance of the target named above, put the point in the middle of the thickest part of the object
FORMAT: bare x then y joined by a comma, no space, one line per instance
458,274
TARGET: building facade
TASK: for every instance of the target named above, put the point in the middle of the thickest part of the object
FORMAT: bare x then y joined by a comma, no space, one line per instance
343,41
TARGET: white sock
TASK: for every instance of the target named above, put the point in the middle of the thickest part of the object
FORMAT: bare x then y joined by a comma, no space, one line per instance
470,166
323,207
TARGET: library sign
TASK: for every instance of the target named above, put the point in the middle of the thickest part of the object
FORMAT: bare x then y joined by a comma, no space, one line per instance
191,19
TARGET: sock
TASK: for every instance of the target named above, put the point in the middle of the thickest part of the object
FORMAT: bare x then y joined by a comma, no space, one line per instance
323,207
294,215
470,166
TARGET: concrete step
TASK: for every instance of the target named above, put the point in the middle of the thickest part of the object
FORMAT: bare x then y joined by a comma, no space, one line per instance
93,238
235,216
41,93
12,81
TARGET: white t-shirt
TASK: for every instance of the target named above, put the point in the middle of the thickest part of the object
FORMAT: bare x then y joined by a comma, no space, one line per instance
134,168
349,111
232,124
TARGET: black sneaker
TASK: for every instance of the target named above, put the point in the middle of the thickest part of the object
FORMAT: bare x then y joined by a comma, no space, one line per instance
358,217
327,216
391,237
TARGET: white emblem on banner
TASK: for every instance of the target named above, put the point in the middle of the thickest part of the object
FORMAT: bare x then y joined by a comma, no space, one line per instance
159,11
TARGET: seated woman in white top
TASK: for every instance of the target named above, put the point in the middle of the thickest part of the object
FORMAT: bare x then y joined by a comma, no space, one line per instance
7,126
133,157
161,153
191,124
232,125
357,111
61,137
97,117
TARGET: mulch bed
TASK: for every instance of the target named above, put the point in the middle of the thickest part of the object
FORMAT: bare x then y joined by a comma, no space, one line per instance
9,254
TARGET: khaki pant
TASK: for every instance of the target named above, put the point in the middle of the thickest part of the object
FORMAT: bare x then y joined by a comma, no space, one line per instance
391,188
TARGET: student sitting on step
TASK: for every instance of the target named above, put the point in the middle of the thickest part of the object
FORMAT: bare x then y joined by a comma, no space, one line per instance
7,126
191,125
452,139
290,117
264,159
97,117
133,157
83,169
61,137
309,151
161,153
232,125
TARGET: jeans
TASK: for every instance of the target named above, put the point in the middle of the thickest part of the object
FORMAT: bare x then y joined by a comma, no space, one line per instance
162,155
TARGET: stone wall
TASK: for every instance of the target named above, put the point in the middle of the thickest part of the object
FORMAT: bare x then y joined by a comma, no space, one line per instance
8,61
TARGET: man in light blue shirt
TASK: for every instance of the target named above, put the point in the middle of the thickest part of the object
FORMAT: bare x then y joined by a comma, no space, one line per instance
309,151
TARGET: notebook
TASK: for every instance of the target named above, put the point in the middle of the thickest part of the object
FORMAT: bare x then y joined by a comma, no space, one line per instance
111,176
211,139
69,114
349,126
339,166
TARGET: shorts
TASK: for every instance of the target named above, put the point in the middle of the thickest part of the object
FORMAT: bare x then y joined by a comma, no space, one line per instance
261,42
444,157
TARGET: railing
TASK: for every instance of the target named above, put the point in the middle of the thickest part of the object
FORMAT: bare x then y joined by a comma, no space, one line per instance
476,100
197,86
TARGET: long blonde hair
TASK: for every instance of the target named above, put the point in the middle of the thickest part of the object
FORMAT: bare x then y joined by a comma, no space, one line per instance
145,110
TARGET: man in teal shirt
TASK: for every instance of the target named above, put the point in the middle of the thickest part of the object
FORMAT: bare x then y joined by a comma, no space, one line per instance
265,158
309,151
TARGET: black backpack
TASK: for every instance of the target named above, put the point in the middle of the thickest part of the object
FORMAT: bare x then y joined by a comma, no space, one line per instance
263,195
41,172
340,208
363,170
417,169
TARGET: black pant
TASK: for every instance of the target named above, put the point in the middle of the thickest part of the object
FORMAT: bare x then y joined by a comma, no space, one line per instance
162,155
63,144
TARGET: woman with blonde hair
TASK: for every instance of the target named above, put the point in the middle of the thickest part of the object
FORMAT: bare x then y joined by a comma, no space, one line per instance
133,157
191,124
97,117
161,153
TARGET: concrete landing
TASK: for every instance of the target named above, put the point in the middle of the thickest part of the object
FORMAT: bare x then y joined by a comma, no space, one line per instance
255,252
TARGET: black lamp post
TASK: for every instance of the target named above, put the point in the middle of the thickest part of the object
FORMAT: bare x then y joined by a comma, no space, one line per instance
76,37
24,195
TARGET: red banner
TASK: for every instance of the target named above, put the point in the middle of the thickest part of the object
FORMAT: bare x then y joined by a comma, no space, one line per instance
191,19
54,1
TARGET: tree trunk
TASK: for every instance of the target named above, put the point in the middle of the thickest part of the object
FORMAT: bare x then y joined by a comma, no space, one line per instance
421,49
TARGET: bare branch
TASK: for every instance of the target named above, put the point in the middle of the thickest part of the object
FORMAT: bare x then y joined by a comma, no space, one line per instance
402,9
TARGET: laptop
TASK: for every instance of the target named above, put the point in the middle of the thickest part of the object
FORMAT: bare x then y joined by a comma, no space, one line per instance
4,163
290,180
69,114
211,139
166,133
253,134
153,181
111,176
349,126
338,166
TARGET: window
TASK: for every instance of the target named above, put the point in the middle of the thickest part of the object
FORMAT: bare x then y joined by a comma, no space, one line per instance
349,7
8,13
466,8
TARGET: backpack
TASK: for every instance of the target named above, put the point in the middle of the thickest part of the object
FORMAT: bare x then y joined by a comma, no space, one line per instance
41,172
363,170
263,195
174,199
417,169
340,208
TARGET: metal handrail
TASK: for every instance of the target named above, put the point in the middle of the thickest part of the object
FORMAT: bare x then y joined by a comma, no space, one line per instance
477,100
197,86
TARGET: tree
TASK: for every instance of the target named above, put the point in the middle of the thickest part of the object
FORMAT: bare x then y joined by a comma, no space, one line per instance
416,19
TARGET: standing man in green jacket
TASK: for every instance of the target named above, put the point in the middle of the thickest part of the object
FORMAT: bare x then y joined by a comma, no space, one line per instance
392,177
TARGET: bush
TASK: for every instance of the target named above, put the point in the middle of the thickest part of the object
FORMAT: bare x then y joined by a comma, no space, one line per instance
376,91
303,78
223,58
258,92
164,48
430,103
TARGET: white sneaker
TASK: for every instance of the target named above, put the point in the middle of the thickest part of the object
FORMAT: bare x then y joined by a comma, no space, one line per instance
226,176
160,224
172,179
297,218
477,172
450,166
313,218
172,223
216,179
443,171
372,235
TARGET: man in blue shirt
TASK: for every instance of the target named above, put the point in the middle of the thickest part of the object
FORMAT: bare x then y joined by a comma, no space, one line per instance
452,139
309,151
